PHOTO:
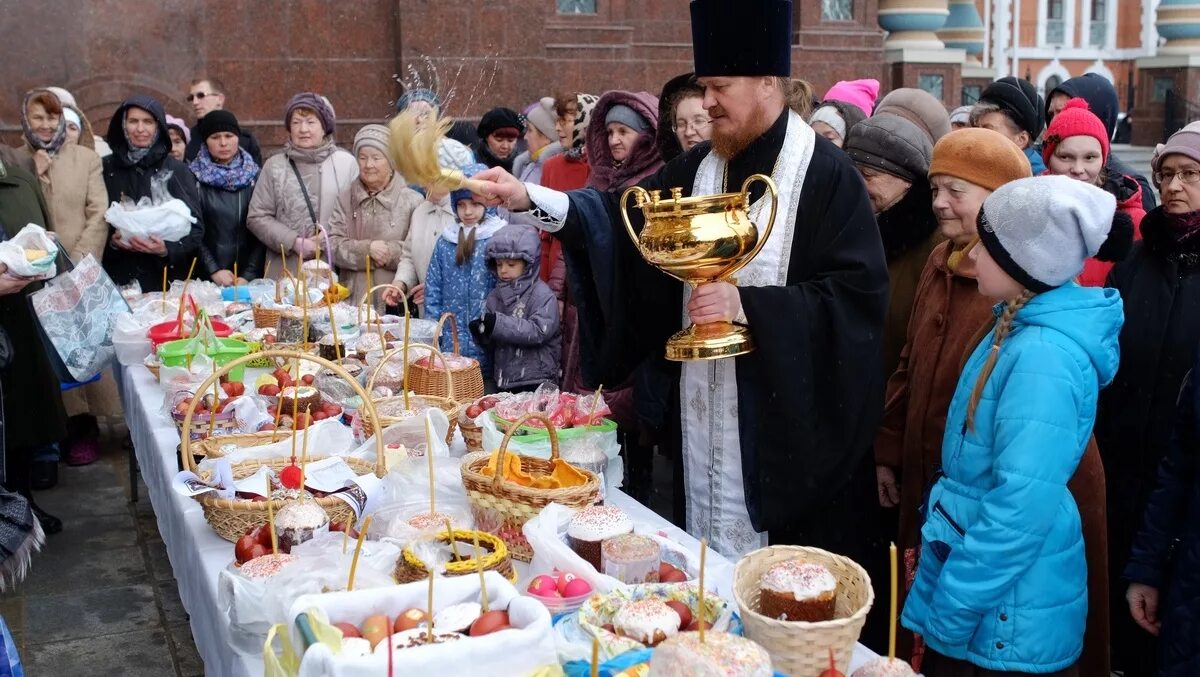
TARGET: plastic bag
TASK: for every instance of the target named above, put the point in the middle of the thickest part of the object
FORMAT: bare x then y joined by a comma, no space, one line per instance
409,433
75,313
404,492
596,449
325,438
599,610
528,645
30,253
170,221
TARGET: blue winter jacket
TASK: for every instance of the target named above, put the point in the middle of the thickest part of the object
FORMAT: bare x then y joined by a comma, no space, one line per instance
1035,160
1002,581
462,290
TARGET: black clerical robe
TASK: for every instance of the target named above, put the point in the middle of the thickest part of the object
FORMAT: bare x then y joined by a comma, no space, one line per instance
810,395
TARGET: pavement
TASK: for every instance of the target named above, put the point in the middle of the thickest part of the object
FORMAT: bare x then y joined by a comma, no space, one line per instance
100,598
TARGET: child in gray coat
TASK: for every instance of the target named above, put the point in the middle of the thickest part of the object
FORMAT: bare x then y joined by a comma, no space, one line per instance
520,321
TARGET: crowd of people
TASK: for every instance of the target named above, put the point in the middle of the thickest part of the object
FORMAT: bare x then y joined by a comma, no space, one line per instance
1030,426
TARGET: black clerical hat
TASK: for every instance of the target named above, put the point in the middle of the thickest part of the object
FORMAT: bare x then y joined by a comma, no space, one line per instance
742,37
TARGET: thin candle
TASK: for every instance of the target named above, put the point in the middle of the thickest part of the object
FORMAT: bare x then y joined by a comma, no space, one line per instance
235,285
892,607
304,448
429,625
212,415
275,432
404,371
271,520
595,403
164,296
595,657
429,456
337,353
479,565
453,544
295,415
362,536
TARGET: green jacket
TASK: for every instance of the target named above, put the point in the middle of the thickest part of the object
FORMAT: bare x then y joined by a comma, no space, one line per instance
33,412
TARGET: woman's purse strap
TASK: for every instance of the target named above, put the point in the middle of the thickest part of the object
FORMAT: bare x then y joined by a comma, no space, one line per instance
312,213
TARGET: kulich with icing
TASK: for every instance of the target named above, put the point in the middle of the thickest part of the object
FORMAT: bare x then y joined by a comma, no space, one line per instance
885,667
648,621
631,558
297,522
266,566
720,655
305,397
424,521
590,527
796,590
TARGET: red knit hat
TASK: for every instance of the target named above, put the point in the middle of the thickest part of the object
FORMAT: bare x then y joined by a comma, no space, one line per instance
1075,119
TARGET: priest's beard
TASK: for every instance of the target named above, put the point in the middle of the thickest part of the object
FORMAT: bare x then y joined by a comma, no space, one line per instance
728,145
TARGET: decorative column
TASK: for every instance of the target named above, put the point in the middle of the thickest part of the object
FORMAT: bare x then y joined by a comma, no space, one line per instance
964,30
1179,22
1168,85
912,24
913,52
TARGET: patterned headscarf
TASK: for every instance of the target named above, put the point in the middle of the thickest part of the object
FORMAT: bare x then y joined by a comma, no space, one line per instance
584,104
60,134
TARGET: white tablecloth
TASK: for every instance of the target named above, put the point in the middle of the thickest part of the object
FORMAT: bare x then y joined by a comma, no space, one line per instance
198,554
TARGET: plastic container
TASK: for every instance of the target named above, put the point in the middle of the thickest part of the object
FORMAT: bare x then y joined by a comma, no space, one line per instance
131,352
242,294
223,351
172,331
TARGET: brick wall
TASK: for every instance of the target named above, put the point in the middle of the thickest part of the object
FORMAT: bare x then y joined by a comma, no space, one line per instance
490,52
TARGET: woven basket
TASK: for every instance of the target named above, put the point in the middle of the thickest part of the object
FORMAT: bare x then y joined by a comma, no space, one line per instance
155,367
268,318
230,518
798,647
495,558
446,404
506,507
472,434
466,383
212,448
224,424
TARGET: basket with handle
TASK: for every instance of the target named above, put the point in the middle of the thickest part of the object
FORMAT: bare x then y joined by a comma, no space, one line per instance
800,647
493,555
268,318
432,379
230,518
446,404
504,507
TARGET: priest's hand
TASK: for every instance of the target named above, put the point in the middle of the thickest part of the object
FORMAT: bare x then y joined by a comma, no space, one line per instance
714,302
506,190
889,492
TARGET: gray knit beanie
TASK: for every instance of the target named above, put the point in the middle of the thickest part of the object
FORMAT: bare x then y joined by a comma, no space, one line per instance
373,136
918,107
892,144
625,115
1041,229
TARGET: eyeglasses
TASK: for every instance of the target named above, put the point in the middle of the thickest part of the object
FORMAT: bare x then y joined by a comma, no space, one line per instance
1186,176
698,124
200,95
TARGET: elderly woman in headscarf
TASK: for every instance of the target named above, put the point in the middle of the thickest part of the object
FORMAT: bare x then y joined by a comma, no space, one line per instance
371,220
297,190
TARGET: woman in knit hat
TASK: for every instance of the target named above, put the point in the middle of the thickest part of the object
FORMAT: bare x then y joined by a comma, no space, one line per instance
371,220
893,155
180,135
541,137
846,104
1160,284
621,139
947,313
918,107
499,130
1001,585
299,187
1076,145
225,173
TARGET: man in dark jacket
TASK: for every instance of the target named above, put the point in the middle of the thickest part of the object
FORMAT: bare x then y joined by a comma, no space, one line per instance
207,95
32,403
141,150
1102,99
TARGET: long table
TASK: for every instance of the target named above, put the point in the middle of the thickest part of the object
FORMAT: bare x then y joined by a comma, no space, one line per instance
198,554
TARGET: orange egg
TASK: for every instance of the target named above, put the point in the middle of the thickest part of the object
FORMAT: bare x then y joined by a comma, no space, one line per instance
410,619
492,621
375,629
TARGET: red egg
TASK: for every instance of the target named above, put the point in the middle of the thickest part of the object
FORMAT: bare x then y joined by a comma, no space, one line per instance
685,614
563,579
576,588
492,621
348,629
543,586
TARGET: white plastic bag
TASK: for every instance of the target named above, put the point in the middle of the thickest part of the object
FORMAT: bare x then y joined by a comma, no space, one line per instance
526,646
30,253
170,221
325,438
404,492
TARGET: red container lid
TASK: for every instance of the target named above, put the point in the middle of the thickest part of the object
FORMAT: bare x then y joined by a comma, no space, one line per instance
173,331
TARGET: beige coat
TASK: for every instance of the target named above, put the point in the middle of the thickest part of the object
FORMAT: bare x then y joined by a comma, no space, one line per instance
75,192
278,214
429,219
359,218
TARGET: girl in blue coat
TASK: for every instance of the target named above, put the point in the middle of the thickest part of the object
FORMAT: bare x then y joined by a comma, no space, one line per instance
459,279
1002,582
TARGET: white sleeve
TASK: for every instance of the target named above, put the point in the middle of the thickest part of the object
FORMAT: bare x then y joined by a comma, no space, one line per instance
549,207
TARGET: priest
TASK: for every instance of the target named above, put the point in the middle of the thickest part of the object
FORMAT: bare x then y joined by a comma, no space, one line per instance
774,443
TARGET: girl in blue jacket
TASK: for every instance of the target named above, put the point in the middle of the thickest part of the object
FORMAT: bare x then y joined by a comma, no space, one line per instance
1002,581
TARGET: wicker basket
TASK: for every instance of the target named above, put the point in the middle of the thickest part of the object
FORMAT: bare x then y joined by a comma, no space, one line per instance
798,647
230,518
507,507
224,424
212,448
472,434
154,366
467,382
268,318
446,404
495,558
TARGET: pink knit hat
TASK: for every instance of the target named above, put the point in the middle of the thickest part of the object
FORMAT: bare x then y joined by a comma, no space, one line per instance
858,93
